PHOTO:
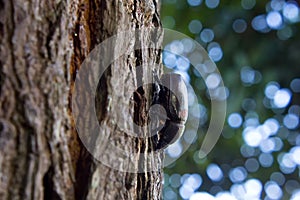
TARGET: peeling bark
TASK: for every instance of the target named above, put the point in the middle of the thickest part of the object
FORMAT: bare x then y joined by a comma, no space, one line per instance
42,46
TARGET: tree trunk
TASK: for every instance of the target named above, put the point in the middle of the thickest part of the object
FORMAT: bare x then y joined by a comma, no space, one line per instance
43,44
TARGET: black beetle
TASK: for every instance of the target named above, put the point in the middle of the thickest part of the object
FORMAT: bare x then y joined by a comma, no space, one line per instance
173,97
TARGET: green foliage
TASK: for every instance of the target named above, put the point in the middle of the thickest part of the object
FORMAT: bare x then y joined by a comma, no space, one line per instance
255,55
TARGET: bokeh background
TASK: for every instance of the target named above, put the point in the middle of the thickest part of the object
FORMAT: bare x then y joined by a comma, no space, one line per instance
256,47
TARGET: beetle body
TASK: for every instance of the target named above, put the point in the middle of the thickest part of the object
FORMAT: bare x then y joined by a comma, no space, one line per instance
173,96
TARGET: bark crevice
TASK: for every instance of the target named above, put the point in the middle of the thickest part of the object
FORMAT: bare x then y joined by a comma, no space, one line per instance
42,48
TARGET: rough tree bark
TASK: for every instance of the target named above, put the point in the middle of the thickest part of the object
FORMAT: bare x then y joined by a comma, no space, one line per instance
42,45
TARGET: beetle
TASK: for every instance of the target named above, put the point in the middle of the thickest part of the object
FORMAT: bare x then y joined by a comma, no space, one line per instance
171,93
